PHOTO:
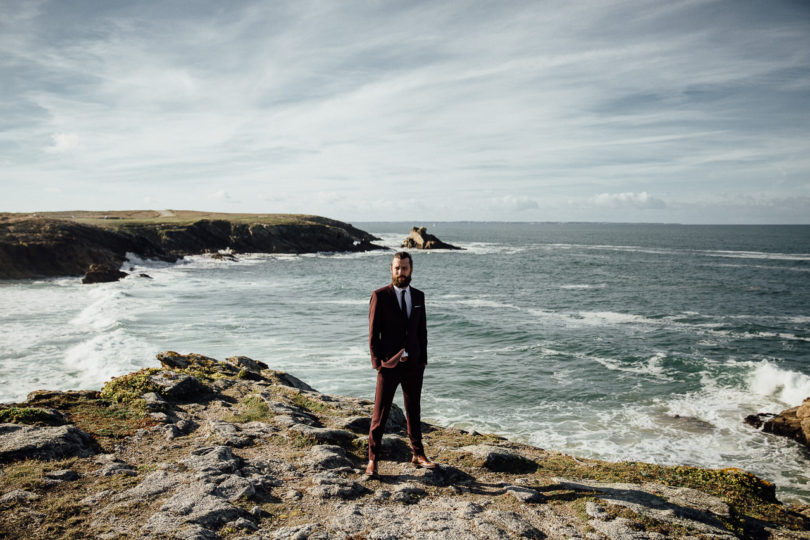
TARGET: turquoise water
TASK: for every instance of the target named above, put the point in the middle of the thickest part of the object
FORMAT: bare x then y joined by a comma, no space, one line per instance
643,342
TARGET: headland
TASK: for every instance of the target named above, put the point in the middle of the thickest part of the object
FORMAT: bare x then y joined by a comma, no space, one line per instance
51,244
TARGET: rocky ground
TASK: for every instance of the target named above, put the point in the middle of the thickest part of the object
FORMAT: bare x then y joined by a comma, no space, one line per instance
201,449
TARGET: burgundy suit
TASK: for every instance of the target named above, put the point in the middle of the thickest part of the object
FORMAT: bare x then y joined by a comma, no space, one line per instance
388,333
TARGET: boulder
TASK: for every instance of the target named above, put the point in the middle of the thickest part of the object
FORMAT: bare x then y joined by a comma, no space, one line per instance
18,496
175,360
420,239
42,397
321,435
178,386
219,256
500,459
289,380
27,442
243,362
325,457
329,485
102,273
64,475
793,423
524,494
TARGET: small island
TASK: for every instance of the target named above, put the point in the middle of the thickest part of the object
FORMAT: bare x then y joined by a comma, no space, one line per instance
200,448
420,239
52,244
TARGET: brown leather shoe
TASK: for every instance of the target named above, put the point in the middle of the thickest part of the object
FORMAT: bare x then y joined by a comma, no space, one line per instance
371,469
422,461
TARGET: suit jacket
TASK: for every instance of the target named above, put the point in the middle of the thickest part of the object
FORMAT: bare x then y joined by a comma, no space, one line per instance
387,333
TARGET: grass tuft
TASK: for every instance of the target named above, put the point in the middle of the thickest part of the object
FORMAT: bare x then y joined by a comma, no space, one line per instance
252,409
130,387
29,415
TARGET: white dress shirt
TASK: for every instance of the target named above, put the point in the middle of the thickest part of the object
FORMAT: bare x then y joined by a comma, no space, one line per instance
408,303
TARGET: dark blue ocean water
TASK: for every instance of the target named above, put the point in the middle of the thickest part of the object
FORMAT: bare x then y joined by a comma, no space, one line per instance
643,342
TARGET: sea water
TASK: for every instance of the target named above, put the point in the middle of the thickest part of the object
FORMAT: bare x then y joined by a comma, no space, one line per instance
618,342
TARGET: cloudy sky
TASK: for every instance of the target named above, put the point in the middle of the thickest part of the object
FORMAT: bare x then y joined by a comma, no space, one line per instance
677,111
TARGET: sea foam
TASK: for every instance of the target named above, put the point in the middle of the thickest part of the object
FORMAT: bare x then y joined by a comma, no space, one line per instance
786,386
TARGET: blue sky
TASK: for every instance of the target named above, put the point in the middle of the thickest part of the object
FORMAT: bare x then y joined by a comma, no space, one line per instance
692,112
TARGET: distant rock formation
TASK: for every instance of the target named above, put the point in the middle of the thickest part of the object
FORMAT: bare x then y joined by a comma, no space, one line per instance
420,239
793,423
36,246
102,273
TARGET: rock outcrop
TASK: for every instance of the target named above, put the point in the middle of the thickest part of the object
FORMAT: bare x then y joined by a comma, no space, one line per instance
420,239
102,273
246,452
793,423
36,246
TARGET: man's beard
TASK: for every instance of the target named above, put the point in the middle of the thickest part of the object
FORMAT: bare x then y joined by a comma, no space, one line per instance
401,281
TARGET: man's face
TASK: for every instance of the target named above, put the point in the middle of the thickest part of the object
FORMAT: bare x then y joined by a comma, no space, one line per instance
401,272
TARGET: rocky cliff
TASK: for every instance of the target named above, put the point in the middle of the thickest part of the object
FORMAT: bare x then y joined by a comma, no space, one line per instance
419,238
64,245
199,448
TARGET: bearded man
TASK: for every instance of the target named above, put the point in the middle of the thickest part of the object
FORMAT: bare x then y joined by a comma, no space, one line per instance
397,339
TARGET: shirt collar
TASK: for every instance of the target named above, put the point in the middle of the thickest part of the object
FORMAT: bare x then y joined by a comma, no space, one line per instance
407,289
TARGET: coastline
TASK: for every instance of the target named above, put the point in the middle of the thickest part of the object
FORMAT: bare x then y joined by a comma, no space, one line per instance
207,449
52,244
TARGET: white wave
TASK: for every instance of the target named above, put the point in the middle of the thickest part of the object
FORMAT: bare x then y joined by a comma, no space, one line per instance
611,317
788,387
584,286
759,267
781,335
487,248
105,311
134,261
346,302
757,255
652,367
110,354
702,428
484,303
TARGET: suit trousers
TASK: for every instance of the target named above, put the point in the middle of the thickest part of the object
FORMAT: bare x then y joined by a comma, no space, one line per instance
409,376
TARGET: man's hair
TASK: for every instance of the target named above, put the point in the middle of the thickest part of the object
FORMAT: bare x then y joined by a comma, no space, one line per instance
402,255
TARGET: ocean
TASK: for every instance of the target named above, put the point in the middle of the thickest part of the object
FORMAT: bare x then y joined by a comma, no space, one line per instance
617,342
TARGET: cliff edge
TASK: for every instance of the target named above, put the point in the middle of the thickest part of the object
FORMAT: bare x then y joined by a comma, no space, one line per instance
67,243
199,448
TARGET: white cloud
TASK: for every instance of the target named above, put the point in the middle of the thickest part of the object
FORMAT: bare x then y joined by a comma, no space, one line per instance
311,106
641,200
515,203
63,142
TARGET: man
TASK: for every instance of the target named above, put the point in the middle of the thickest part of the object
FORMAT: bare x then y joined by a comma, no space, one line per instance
397,339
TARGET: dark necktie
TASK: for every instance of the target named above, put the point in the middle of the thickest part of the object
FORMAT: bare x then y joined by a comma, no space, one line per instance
404,307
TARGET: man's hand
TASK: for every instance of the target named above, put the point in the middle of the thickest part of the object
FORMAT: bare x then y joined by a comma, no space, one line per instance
398,356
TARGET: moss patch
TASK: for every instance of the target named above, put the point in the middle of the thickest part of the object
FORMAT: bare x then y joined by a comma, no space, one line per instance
252,409
309,404
109,420
130,387
28,415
